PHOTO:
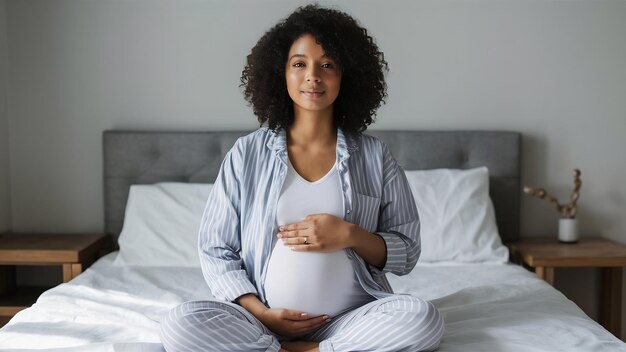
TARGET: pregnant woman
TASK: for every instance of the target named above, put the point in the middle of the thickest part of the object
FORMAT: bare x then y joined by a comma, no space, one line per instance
307,214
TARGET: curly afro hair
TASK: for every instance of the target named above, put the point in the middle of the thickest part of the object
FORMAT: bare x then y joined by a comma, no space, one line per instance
363,88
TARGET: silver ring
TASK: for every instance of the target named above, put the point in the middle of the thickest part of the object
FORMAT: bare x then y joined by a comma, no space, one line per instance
306,240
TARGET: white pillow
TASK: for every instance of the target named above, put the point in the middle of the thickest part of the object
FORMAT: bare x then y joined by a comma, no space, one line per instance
457,217
161,224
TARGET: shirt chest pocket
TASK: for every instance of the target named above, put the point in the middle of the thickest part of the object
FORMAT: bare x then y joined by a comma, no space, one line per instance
366,211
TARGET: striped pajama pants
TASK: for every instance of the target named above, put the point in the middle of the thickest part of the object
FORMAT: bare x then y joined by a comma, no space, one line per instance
394,323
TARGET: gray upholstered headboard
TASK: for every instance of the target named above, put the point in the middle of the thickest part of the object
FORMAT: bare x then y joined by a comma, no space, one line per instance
132,157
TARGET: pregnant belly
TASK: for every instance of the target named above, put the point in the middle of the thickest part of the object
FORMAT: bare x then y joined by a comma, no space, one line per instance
315,283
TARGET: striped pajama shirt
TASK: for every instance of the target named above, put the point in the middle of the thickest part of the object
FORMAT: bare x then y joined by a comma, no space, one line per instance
235,243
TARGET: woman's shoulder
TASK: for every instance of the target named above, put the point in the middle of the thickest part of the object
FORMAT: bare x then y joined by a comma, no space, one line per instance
257,135
369,144
365,138
255,139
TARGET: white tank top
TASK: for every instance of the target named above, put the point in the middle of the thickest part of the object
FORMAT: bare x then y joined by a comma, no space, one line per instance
313,282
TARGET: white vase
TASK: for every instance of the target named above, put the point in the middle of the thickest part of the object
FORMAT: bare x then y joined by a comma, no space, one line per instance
568,230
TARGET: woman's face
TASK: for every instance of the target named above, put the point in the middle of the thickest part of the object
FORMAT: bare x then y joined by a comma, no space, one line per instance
313,79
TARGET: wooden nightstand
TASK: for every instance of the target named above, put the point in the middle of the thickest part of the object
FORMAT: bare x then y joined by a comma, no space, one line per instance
73,252
545,254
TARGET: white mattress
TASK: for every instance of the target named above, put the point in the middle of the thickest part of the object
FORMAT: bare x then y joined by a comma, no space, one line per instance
486,308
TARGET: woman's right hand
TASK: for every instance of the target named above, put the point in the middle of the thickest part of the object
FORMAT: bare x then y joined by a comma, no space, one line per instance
291,323
285,322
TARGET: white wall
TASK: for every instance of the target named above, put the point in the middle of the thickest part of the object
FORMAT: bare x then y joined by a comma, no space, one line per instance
5,201
553,70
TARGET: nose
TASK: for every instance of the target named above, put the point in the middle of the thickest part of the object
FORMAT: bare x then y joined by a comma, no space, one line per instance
312,74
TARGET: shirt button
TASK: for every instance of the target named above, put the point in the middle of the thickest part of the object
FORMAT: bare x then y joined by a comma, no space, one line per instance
348,211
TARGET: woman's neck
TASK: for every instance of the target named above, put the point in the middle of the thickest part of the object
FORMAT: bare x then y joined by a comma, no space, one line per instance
312,129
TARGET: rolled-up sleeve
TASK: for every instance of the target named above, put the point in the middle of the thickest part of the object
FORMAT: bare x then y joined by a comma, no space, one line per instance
219,239
398,222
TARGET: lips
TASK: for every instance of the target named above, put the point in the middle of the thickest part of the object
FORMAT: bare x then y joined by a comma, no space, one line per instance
313,93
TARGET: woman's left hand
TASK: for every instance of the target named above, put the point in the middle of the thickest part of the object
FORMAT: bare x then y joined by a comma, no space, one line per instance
317,233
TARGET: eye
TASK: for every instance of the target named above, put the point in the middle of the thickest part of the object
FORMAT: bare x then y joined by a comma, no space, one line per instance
328,65
298,64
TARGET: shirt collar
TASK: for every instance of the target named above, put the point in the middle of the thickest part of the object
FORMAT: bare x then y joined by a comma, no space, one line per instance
346,143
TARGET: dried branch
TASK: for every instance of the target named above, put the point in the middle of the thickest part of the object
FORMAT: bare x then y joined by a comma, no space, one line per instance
566,210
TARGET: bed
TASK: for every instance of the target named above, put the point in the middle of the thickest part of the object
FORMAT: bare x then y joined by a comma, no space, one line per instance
488,304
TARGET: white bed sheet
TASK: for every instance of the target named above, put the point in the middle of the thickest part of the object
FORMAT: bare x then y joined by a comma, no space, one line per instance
486,308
